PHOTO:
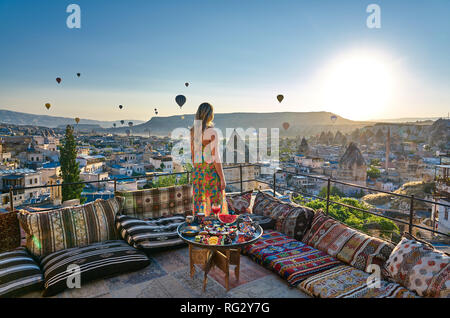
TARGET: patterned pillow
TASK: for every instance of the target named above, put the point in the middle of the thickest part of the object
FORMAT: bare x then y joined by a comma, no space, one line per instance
264,204
239,203
151,233
9,231
19,273
346,244
291,219
51,231
154,203
417,266
95,261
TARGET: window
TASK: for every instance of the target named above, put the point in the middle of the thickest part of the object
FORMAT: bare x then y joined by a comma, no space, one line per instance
30,181
446,214
35,180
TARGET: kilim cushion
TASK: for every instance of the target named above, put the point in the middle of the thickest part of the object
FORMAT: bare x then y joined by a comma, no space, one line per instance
150,233
348,282
239,203
56,230
346,244
419,267
19,273
291,219
158,202
9,231
291,259
95,261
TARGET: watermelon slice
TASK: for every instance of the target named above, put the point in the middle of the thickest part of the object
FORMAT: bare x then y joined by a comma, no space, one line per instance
227,218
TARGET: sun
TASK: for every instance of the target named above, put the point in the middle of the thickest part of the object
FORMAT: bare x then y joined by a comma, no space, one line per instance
358,85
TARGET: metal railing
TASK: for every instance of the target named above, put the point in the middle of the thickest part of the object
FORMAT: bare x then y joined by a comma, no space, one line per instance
274,185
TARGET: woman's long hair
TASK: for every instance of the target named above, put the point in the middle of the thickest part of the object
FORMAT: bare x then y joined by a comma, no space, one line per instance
205,113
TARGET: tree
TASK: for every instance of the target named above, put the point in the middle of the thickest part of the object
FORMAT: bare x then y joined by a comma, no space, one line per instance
373,172
333,191
70,171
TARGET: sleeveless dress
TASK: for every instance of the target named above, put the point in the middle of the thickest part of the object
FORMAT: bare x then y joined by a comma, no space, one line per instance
206,186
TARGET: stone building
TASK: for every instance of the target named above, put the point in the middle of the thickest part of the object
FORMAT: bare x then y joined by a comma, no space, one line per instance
352,168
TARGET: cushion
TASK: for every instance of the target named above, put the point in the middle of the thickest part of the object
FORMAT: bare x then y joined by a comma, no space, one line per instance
346,244
19,273
96,261
154,203
51,231
239,203
9,231
291,259
150,233
348,282
417,266
291,219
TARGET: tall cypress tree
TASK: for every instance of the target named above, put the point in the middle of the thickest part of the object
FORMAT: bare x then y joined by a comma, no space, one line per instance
70,170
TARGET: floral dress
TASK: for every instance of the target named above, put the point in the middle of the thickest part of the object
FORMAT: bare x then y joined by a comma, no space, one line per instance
206,186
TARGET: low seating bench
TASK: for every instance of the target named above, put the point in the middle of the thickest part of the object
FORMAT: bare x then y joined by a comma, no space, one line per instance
311,251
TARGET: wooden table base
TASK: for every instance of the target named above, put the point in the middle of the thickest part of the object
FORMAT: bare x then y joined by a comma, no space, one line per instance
210,257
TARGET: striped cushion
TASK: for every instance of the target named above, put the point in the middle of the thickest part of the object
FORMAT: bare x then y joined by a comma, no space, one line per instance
151,233
19,273
346,244
347,282
154,203
291,259
95,261
9,231
51,231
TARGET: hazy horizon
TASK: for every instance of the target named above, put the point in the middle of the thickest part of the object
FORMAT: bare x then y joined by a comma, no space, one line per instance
236,55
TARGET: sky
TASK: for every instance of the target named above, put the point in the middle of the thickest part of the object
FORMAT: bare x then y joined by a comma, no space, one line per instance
237,55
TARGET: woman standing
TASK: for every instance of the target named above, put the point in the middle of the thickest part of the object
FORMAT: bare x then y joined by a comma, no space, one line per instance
208,179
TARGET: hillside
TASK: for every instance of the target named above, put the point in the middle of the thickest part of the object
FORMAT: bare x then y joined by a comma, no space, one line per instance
306,123
18,118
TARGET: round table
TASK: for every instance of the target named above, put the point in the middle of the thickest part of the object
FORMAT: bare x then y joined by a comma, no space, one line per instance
221,256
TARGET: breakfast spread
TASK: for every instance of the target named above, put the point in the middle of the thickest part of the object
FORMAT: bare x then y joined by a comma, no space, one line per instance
225,230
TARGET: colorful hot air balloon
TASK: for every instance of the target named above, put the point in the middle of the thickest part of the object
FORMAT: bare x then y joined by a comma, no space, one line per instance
48,105
130,123
120,106
78,74
186,84
122,122
333,118
286,126
180,99
58,79
280,98
77,120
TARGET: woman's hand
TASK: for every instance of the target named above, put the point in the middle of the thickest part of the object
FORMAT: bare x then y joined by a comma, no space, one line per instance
223,184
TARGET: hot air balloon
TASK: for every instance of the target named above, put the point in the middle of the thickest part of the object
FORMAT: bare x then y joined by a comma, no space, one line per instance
333,118
286,126
180,99
186,84
280,98
156,111
58,79
77,120
130,123
48,105
122,122
78,74
114,125
120,106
